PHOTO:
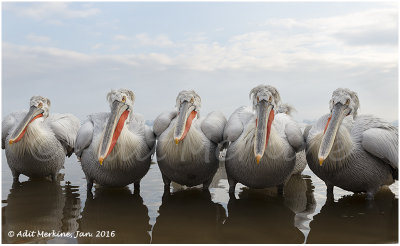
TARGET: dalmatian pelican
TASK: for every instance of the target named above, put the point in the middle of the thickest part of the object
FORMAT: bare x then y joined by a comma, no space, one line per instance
355,153
263,142
36,142
115,148
187,146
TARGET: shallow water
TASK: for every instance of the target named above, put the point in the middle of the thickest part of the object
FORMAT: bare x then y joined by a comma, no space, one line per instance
190,215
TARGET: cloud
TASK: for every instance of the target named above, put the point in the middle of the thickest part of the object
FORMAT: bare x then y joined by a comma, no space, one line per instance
97,46
51,11
361,39
38,38
143,39
352,29
80,81
306,59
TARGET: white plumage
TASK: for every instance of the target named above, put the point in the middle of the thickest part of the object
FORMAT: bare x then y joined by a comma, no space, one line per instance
247,132
187,147
37,147
355,153
110,159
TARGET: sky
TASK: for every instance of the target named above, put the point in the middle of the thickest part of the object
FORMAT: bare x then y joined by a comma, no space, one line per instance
75,53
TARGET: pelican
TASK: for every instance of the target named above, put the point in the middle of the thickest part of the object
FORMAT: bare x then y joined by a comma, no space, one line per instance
355,153
263,144
115,148
187,146
37,142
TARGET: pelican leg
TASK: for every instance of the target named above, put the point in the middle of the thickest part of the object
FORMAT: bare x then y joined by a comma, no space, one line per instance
136,187
167,182
15,175
89,185
371,194
165,196
206,184
280,189
54,177
329,192
232,186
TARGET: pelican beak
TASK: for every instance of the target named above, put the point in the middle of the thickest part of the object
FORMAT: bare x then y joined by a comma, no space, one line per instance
33,114
331,128
258,158
265,116
116,121
185,118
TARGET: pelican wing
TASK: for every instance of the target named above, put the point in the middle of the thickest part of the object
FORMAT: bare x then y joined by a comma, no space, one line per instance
65,128
236,123
84,137
382,143
306,131
213,126
150,137
294,136
162,122
9,123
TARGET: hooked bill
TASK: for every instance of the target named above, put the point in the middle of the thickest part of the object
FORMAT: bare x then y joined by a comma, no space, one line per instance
33,114
184,121
263,128
115,124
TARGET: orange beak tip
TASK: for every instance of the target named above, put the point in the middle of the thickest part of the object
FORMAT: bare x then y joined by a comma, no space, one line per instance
258,158
101,161
176,140
11,142
321,160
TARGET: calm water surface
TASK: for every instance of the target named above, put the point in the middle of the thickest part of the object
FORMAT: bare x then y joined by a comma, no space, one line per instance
193,216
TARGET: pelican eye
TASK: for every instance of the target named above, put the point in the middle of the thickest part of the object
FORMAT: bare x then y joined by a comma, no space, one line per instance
191,100
347,101
40,105
123,99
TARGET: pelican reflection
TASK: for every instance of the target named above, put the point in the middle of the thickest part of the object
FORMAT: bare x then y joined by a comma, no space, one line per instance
188,216
40,205
353,220
260,216
115,209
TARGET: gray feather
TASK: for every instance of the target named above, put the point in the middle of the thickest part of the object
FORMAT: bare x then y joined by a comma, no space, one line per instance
65,128
150,137
294,136
162,122
213,126
382,143
84,137
236,123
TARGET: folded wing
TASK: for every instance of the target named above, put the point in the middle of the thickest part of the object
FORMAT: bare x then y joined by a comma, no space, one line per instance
162,122
65,128
213,126
236,123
